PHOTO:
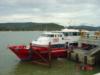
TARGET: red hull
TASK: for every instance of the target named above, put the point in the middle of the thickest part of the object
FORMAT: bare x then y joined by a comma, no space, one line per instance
25,54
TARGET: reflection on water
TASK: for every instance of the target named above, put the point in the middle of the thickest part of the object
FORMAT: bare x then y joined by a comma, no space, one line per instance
11,65
62,67
59,68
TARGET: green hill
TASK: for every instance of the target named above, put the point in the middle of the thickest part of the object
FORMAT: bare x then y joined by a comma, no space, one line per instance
29,26
90,28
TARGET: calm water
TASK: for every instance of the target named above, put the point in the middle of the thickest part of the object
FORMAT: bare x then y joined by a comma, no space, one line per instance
11,65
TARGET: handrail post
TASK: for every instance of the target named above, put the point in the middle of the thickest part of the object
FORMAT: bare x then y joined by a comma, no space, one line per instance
66,47
49,54
30,51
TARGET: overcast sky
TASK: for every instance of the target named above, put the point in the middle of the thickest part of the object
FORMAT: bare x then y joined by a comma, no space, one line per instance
63,12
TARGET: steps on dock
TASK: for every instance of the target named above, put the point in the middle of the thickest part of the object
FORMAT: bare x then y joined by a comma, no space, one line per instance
94,51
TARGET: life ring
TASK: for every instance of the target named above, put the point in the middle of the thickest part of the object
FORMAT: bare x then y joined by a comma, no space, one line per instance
86,67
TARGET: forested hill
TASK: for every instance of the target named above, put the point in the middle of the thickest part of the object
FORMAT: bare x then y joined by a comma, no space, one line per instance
29,26
90,28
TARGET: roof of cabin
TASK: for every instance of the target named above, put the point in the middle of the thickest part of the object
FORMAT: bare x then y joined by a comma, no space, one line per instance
51,33
70,30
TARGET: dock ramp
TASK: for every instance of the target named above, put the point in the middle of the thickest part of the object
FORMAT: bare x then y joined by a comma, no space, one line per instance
94,51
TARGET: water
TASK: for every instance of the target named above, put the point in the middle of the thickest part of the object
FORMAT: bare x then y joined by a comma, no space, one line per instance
11,65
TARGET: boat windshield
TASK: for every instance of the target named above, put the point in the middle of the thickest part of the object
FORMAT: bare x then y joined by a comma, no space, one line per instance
48,35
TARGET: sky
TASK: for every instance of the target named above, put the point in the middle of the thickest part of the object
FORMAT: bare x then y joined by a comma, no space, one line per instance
63,12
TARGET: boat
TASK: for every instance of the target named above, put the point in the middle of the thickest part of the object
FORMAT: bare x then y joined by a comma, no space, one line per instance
57,42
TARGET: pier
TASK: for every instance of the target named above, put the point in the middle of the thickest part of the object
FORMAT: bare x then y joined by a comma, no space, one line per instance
88,51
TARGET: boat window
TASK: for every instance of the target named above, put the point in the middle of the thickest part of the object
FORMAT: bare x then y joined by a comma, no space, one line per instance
48,35
55,35
65,34
60,35
74,33
51,35
78,33
70,33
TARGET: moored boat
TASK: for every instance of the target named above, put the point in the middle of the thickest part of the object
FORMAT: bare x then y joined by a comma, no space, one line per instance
57,41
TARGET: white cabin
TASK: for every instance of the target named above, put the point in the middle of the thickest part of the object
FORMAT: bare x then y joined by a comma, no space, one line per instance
65,36
72,36
53,37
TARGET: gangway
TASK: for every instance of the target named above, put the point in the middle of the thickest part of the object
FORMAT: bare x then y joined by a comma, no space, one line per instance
94,51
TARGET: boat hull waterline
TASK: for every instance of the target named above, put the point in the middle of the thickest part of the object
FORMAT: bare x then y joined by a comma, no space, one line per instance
24,53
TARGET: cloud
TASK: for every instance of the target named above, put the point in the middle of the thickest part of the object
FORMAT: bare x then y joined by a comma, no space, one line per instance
58,11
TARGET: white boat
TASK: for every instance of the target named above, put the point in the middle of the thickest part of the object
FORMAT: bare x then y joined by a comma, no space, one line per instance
60,38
